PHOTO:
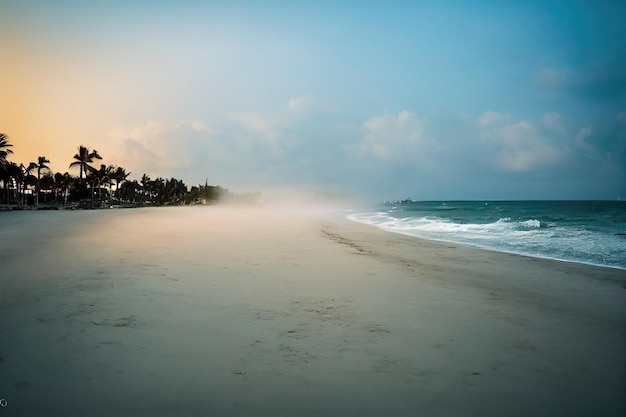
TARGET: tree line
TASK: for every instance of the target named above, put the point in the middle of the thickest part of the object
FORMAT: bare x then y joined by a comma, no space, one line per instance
36,184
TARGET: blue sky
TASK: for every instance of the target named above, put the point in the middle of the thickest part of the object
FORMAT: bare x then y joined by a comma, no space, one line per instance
432,100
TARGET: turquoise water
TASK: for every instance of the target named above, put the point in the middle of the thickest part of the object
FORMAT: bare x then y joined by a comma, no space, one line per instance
592,232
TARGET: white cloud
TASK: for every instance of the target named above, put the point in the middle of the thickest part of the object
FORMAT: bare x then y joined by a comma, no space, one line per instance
157,147
553,121
517,147
302,105
492,118
261,133
522,147
552,78
264,149
196,125
391,137
580,140
257,124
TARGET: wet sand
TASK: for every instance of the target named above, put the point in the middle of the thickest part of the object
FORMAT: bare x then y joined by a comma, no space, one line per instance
226,311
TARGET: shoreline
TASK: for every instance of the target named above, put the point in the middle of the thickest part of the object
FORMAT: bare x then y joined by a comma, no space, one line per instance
339,212
485,248
249,311
616,275
585,232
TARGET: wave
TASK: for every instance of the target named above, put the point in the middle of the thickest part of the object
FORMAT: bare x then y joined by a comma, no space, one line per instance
529,236
435,224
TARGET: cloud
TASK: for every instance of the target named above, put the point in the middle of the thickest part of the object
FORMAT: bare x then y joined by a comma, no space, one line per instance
302,105
266,135
603,81
491,118
381,154
393,138
523,148
247,149
553,121
196,125
580,140
515,147
159,148
552,78
254,132
257,124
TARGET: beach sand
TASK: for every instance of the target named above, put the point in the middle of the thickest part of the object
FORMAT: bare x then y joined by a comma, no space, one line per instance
223,311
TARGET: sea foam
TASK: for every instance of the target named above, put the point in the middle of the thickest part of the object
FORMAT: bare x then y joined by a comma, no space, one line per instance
560,232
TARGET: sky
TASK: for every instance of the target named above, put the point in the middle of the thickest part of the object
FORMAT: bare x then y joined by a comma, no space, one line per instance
432,100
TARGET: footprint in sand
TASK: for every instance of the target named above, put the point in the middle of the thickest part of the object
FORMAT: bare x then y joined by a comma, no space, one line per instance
121,322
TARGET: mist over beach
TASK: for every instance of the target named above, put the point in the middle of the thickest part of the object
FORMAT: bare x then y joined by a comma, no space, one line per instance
273,208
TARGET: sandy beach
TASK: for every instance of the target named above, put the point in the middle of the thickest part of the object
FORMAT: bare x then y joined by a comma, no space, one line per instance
223,311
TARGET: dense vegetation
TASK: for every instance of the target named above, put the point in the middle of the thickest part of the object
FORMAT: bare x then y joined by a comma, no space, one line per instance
37,185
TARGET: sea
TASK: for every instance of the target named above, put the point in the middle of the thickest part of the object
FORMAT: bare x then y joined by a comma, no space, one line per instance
589,232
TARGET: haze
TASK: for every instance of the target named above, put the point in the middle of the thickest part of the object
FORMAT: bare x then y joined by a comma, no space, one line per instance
432,100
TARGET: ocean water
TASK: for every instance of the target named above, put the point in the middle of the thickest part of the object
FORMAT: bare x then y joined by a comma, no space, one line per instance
591,232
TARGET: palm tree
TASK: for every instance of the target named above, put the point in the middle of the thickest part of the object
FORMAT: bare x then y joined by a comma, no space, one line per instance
176,191
109,180
64,183
97,177
58,187
145,184
17,174
83,158
158,190
41,165
6,179
46,183
29,178
119,175
4,149
128,191
4,172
